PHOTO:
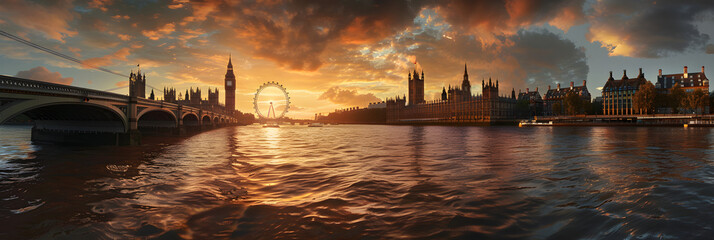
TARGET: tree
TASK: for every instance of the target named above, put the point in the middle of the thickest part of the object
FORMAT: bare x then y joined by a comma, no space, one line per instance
662,100
595,108
523,108
644,99
695,101
557,108
675,98
572,103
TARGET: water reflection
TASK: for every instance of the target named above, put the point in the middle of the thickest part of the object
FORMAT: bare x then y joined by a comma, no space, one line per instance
354,182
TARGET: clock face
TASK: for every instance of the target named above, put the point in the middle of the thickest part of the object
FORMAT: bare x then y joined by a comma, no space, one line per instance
229,83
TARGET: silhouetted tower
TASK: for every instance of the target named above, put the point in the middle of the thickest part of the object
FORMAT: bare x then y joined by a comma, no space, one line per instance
196,96
213,97
466,85
170,95
489,90
443,94
187,98
151,96
137,84
230,87
416,88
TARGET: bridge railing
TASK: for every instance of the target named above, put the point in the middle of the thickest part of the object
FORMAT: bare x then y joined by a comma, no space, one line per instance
191,108
20,84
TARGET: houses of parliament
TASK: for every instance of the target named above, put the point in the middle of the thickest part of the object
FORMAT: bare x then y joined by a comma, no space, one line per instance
192,97
457,104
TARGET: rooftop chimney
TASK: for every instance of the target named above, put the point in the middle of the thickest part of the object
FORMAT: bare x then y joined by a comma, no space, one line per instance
686,75
536,89
528,90
585,82
640,71
702,69
558,86
660,72
571,84
548,87
610,74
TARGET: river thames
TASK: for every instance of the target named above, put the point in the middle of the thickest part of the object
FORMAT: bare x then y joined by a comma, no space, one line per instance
365,182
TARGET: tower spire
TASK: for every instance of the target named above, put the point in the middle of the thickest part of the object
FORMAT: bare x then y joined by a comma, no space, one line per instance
466,73
230,64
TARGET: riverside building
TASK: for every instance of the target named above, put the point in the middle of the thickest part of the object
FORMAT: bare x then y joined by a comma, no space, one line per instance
456,106
617,94
556,96
689,82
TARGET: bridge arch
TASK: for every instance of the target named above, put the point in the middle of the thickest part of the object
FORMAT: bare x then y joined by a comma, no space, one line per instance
69,115
190,119
206,120
156,118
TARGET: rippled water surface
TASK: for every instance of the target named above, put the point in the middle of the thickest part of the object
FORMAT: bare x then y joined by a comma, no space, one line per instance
365,182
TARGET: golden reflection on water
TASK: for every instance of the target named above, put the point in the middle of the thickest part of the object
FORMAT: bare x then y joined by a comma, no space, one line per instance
391,182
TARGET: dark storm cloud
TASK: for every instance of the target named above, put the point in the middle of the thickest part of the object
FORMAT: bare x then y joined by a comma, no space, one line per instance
535,58
509,15
546,58
710,49
296,33
648,29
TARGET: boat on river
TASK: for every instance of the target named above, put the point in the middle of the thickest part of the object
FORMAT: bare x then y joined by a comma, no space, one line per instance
271,125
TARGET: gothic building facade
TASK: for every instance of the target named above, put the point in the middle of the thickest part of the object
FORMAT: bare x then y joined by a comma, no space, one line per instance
230,87
416,88
213,97
137,84
170,95
456,106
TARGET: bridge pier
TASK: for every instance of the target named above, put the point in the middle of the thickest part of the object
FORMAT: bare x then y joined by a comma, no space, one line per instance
133,136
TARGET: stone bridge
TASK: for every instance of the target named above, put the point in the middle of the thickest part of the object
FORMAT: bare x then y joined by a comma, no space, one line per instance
75,115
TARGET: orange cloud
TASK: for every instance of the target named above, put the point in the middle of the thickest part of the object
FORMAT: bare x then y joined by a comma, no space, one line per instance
160,32
51,19
122,83
107,60
43,74
348,97
99,4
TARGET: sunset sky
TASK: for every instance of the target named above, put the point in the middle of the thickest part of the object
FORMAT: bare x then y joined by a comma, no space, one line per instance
335,54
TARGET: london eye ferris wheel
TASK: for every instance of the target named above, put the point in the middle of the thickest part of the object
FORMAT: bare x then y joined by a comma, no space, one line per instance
282,101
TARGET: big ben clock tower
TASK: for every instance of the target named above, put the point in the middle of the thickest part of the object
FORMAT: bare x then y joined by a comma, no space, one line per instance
230,87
